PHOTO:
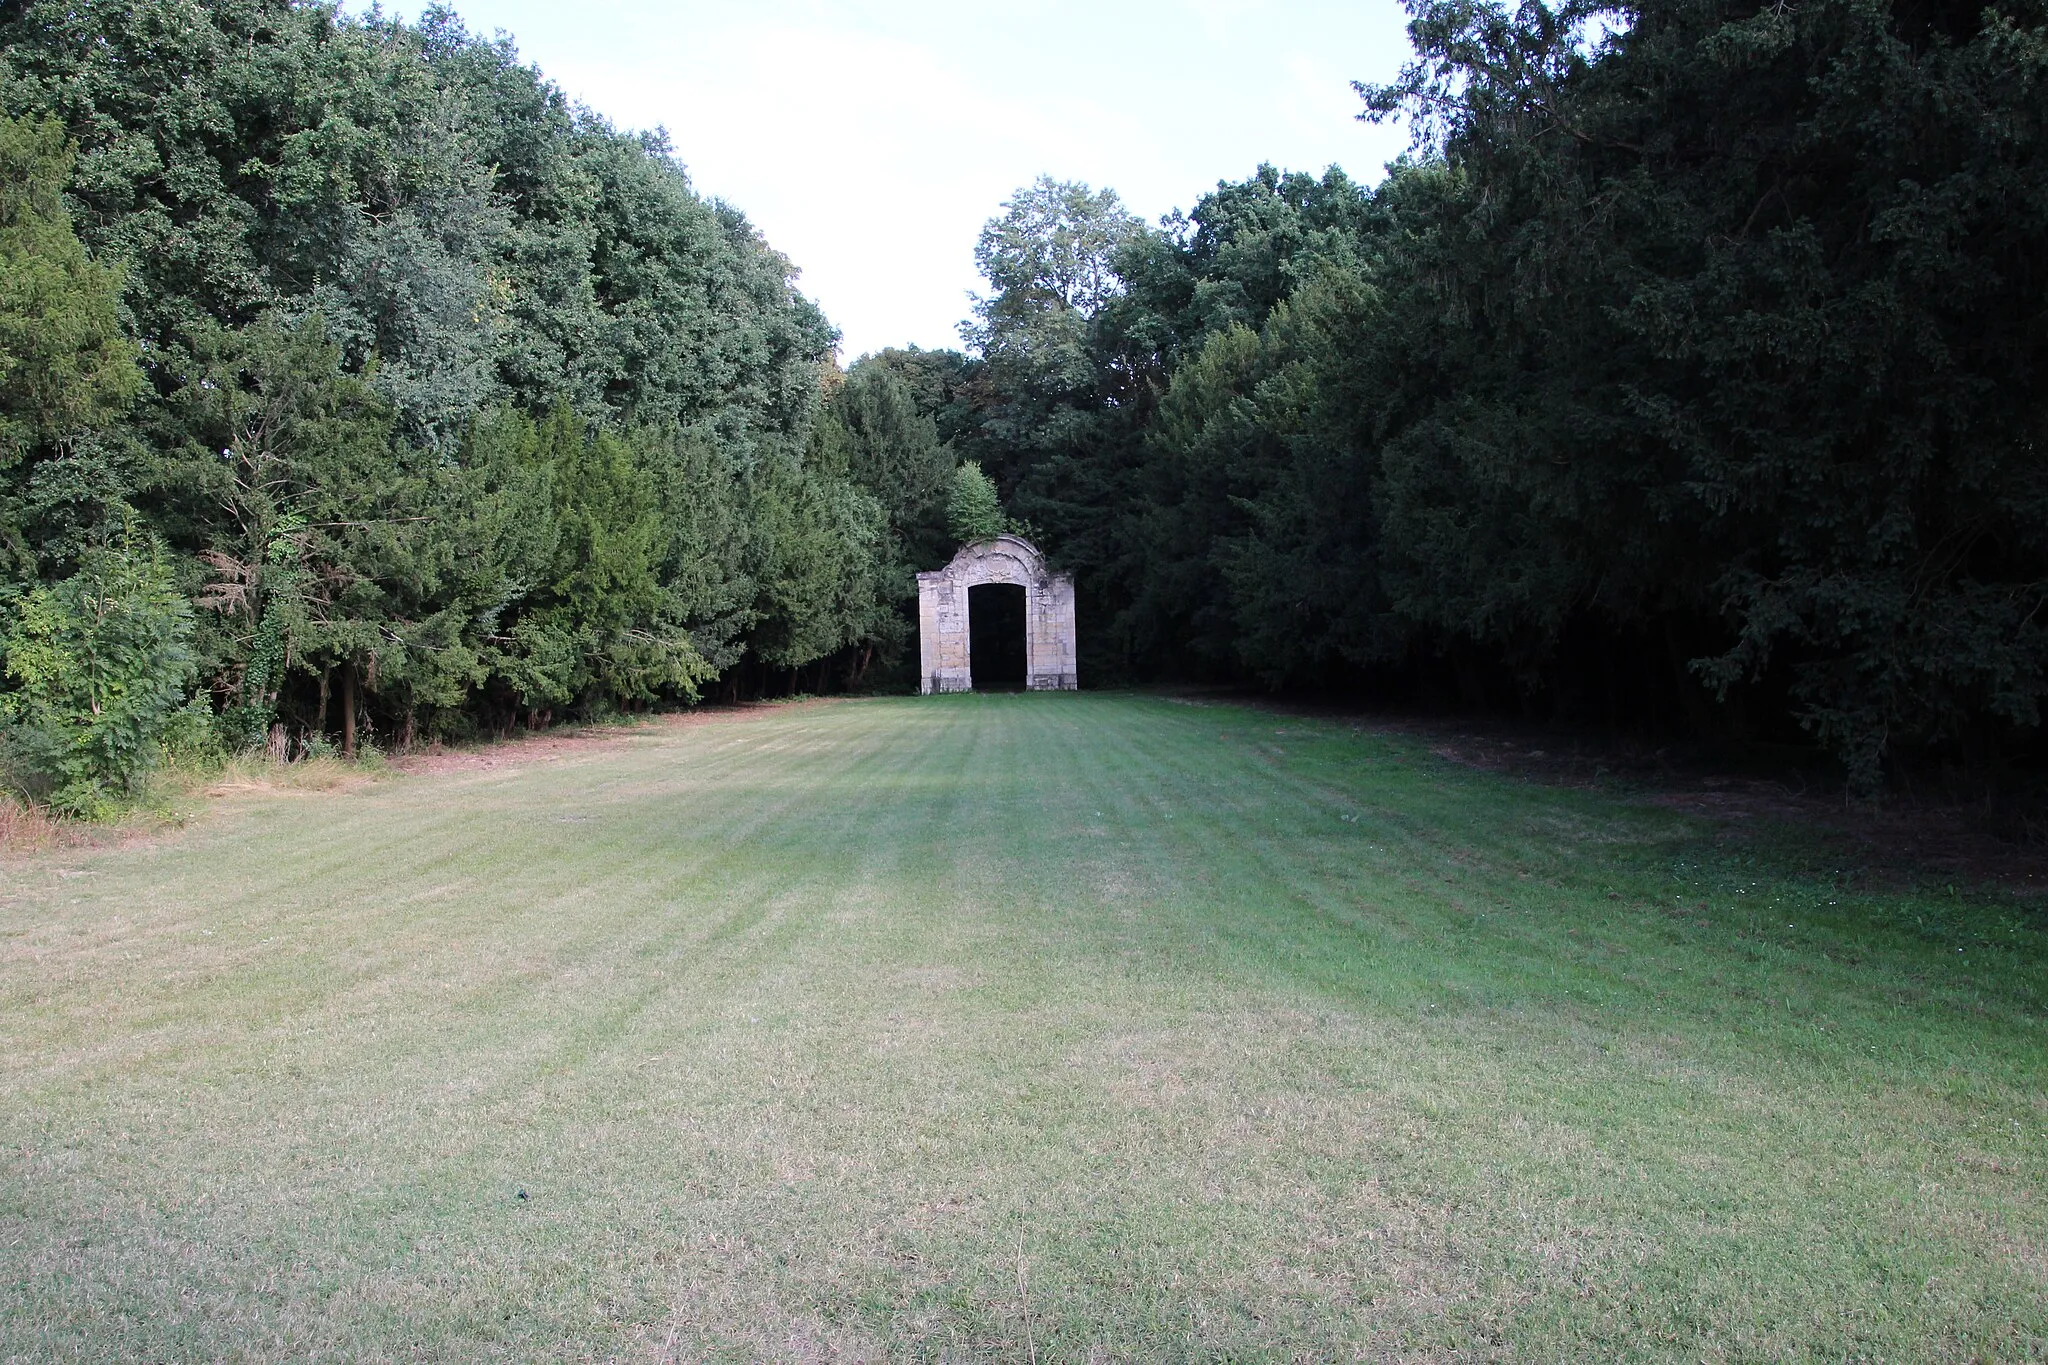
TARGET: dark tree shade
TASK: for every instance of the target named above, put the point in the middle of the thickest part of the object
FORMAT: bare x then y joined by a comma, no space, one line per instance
1691,373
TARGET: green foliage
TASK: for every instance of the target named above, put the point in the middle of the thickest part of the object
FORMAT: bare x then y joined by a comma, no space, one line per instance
290,478
820,575
65,367
438,202
938,383
1690,374
875,433
877,457
893,451
100,663
1052,260
600,628
973,511
463,408
272,594
1744,311
1064,407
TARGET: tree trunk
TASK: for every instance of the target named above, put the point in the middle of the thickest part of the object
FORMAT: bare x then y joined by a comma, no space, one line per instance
348,712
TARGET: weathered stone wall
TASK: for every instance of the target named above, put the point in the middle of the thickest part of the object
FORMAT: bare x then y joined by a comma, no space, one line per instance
943,644
942,639
1049,636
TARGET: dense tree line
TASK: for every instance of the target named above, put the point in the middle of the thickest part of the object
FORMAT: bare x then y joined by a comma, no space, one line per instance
355,383
1690,373
1686,375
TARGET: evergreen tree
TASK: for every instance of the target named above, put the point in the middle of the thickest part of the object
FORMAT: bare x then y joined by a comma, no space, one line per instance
66,369
973,511
460,406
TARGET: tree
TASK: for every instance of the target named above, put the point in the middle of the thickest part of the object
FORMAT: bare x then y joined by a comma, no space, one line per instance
1688,373
465,406
288,466
973,511
1055,249
66,369
892,451
100,662
821,565
1743,309
65,366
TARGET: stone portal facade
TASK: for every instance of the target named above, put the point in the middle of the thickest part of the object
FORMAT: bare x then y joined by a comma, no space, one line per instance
942,638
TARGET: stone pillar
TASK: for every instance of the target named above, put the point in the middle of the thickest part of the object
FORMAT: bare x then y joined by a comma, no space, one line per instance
942,639
1049,635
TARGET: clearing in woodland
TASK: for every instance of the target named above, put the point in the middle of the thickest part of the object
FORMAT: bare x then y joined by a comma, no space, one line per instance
1029,1027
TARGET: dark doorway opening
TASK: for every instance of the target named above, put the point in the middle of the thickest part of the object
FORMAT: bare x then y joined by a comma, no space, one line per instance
995,636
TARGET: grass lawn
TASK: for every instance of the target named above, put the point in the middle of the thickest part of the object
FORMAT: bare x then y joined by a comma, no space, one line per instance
1009,1027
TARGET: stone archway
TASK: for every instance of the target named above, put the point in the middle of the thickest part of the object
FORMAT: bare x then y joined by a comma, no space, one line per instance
944,654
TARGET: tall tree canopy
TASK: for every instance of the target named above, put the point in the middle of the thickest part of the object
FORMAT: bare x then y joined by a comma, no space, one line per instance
1690,372
451,403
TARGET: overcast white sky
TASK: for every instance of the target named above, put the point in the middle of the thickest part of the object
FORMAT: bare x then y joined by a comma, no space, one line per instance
870,140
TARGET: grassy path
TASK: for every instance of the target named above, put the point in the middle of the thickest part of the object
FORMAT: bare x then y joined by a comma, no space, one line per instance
1000,1027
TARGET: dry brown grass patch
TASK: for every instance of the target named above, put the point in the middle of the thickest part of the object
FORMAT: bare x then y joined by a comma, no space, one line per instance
570,741
244,776
31,829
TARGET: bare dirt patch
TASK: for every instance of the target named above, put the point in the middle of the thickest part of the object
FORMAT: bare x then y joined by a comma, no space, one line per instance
27,829
541,746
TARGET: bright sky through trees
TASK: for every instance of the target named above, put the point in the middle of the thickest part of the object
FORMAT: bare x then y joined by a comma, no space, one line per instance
870,140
